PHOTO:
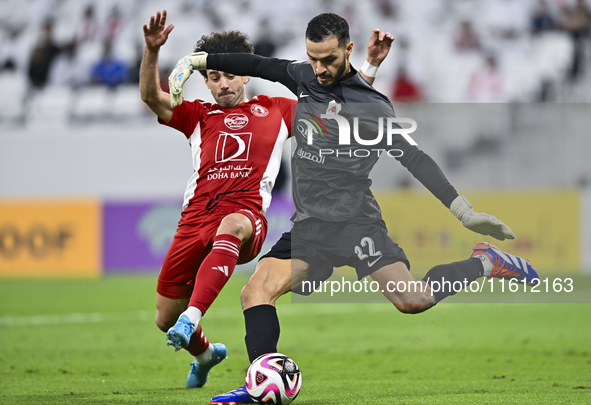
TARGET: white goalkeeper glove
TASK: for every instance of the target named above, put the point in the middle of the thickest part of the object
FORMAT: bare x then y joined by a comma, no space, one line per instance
181,73
479,222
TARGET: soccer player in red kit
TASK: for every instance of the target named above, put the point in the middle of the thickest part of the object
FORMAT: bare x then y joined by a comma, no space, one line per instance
236,146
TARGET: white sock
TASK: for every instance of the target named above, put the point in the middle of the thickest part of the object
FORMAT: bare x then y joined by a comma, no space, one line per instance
205,356
486,264
194,315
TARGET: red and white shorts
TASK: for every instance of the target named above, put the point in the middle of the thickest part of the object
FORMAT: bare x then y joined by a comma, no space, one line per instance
192,243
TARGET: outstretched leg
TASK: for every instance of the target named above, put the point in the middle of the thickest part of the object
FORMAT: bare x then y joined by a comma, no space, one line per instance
412,296
206,355
445,280
214,271
213,274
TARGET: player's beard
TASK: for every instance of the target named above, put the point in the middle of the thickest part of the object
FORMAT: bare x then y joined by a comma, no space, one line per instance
336,77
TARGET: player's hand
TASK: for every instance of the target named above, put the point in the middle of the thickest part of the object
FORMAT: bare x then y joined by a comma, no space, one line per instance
379,46
181,73
479,222
156,32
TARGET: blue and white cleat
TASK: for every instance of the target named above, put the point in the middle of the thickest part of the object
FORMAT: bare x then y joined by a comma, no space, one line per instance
198,375
180,334
236,397
505,265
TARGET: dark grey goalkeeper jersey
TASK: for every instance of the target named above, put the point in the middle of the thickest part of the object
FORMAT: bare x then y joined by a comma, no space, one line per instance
331,178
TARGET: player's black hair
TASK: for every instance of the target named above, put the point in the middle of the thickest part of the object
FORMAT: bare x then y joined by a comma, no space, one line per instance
326,25
223,42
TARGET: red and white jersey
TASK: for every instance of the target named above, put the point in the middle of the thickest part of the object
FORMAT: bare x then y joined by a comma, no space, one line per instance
236,151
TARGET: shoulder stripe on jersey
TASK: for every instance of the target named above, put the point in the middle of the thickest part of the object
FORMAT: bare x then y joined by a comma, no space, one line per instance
272,168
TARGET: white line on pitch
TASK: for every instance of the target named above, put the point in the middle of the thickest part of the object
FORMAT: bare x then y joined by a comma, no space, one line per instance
214,313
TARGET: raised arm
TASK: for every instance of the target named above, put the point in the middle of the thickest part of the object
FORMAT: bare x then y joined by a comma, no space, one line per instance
273,69
243,64
276,70
155,35
378,48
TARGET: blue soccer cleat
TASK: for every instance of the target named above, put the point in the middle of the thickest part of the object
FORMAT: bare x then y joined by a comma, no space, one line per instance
236,397
198,375
505,265
179,335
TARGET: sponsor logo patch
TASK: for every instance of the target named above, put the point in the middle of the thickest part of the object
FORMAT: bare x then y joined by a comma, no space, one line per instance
233,147
236,121
259,110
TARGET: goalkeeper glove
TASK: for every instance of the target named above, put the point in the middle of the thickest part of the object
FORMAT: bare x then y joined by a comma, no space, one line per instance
181,73
479,222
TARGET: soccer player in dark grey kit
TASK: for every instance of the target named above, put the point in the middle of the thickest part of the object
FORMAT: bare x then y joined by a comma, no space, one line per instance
337,220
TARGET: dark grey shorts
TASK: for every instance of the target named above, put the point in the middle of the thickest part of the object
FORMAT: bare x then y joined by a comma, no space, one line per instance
363,245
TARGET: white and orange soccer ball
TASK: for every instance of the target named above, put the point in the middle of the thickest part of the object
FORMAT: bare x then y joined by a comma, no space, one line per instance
273,378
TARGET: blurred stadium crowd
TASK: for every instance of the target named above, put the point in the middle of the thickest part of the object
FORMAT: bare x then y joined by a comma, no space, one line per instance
445,50
66,63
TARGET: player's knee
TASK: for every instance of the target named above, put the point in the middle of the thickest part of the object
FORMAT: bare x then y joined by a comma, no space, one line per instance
164,322
413,307
160,324
235,226
409,308
246,295
260,290
255,293
238,229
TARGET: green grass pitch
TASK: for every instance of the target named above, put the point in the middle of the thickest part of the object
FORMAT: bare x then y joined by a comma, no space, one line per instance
94,342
